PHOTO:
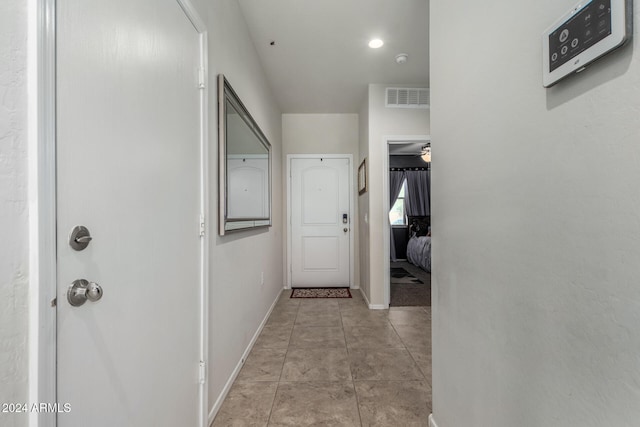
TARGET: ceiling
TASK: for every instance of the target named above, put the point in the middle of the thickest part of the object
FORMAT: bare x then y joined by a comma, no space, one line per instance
321,62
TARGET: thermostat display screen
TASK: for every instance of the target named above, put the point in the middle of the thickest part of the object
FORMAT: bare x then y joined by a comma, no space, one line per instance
583,30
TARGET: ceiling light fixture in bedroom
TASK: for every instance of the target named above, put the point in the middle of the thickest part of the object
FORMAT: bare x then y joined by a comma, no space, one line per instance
425,154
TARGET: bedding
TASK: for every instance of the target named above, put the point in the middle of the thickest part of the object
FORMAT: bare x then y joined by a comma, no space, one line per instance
419,245
419,252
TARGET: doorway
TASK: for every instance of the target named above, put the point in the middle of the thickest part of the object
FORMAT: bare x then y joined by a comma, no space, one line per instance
319,211
407,231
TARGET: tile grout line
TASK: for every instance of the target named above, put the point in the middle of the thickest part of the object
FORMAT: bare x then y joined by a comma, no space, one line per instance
409,351
282,370
416,363
353,384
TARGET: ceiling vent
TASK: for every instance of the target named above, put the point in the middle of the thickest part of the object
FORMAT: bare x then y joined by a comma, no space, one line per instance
406,97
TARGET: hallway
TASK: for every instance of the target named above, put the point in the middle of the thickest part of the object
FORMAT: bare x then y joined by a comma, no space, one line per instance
335,362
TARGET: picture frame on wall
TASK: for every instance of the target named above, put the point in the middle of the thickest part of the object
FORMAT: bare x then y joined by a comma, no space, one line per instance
362,177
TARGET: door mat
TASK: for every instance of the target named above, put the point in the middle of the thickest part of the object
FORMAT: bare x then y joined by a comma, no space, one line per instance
320,293
402,276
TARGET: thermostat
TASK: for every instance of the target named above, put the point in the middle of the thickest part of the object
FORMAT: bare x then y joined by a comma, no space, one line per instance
588,31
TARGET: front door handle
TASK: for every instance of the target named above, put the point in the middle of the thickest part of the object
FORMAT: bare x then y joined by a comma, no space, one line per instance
82,290
345,229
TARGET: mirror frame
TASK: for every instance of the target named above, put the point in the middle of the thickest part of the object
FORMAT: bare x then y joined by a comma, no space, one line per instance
226,92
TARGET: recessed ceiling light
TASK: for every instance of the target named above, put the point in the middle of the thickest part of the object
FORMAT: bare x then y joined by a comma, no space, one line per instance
375,43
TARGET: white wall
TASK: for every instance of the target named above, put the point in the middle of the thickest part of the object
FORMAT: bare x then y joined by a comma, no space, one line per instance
14,234
363,200
238,302
536,225
320,133
325,134
384,122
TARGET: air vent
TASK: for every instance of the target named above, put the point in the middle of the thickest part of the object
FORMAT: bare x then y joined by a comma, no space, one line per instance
406,97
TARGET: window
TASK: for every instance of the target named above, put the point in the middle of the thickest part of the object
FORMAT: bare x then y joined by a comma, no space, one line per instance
397,214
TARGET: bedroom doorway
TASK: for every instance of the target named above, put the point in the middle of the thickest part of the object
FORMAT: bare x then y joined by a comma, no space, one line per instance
407,186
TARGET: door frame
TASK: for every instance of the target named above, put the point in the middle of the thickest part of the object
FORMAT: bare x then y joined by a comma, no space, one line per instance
41,77
352,223
386,227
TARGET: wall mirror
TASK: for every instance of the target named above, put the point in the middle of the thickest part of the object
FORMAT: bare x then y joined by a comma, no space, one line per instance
244,196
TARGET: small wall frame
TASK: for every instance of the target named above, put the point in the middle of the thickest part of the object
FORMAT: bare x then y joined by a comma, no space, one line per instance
362,177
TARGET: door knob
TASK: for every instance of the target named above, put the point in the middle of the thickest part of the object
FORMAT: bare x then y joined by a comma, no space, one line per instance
345,229
82,290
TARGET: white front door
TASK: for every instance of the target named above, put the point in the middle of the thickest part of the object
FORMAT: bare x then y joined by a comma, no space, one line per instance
128,169
320,227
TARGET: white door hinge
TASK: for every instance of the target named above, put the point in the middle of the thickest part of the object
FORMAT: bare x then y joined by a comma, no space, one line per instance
202,226
201,79
202,372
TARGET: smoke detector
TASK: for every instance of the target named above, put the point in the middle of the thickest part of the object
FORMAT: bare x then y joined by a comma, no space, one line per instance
401,58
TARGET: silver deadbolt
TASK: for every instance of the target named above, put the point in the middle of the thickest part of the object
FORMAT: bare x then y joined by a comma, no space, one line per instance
82,290
79,237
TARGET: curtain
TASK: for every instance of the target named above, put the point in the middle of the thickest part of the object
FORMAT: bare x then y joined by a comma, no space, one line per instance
417,200
396,179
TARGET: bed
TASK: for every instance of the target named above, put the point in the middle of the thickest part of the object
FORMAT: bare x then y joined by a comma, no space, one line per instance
419,245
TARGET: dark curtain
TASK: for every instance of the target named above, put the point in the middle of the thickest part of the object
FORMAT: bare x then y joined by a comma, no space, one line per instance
417,200
396,178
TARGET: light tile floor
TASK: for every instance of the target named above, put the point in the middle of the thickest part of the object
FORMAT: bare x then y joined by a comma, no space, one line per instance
334,362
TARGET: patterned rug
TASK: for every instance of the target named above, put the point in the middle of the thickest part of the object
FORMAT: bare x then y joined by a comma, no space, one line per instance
320,293
400,275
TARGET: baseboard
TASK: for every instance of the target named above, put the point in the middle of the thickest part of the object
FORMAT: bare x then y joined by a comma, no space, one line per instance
372,306
432,421
366,300
236,371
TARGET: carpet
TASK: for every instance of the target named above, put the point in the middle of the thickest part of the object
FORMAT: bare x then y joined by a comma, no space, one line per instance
320,293
400,275
408,290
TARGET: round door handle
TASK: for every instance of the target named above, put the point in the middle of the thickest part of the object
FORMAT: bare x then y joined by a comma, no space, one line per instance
94,292
345,229
82,290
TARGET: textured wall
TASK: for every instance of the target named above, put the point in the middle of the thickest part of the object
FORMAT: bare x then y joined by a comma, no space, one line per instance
324,134
363,200
536,225
13,209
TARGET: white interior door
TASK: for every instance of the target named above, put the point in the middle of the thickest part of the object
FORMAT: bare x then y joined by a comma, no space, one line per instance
320,222
128,168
